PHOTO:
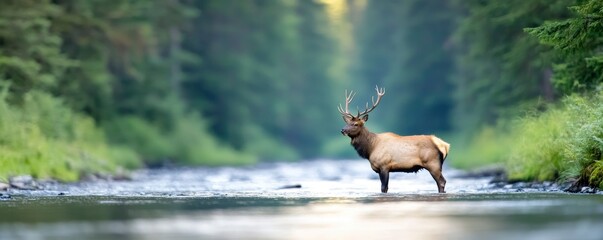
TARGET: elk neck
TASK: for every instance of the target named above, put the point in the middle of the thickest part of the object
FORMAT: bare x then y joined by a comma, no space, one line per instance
363,142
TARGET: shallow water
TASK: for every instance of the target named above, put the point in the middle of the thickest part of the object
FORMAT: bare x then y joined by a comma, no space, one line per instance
337,200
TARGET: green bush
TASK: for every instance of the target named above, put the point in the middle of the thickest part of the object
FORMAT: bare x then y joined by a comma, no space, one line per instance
565,142
194,145
136,133
537,146
187,142
46,139
585,146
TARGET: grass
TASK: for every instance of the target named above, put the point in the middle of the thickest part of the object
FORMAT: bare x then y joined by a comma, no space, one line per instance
563,143
537,147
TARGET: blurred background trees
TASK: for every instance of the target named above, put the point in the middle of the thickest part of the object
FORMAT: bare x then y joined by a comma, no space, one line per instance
226,81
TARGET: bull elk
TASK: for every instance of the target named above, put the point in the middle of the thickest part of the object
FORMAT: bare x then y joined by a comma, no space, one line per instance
389,152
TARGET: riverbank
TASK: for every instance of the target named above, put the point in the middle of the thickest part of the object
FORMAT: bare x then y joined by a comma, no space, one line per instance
44,138
562,144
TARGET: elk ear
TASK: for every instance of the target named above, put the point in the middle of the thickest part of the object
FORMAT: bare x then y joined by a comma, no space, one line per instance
364,118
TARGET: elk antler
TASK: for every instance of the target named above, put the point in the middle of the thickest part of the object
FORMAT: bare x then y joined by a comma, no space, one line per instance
380,93
348,100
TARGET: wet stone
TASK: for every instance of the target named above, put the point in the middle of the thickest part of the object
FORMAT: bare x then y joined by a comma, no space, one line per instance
23,182
290,186
588,190
521,185
4,196
21,178
4,186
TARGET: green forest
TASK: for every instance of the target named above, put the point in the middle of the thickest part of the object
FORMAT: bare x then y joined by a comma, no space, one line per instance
90,86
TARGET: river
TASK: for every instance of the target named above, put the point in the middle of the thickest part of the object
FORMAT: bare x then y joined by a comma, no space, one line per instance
320,199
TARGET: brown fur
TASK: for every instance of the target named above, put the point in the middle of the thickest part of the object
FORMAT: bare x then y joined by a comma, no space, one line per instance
389,152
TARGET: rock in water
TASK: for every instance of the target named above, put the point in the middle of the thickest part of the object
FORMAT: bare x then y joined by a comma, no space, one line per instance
290,186
4,196
24,182
588,190
4,186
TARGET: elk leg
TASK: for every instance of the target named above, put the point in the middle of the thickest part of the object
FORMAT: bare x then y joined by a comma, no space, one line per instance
384,176
442,183
439,178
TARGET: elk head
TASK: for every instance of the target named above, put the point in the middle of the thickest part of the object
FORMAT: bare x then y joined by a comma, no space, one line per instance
355,124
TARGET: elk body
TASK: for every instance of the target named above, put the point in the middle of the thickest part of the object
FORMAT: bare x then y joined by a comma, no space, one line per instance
389,152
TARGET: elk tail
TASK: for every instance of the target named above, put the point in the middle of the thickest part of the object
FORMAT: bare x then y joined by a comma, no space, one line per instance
442,146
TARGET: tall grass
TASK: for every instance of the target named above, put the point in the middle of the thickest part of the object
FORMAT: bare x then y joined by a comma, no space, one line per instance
45,139
537,146
562,143
565,142
585,147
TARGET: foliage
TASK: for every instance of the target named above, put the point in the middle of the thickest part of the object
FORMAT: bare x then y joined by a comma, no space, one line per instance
585,146
501,62
408,55
538,144
263,79
46,139
144,69
95,84
569,143
561,143
578,42
30,56
498,65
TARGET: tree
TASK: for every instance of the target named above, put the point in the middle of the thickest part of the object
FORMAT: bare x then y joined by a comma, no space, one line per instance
577,42
263,79
499,67
407,53
30,53
311,118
